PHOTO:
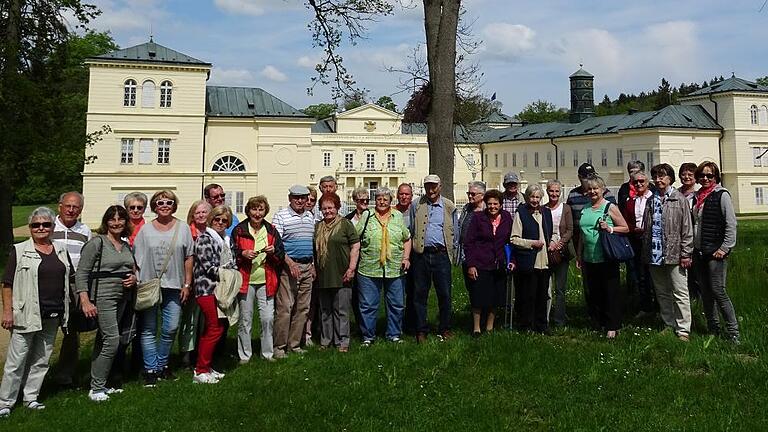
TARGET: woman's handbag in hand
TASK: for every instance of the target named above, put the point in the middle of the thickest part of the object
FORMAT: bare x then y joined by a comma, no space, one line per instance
148,292
615,246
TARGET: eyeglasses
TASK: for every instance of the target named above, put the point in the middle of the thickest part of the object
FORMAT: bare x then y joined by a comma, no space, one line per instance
707,176
299,197
36,225
215,197
165,203
135,208
221,220
638,181
362,200
473,194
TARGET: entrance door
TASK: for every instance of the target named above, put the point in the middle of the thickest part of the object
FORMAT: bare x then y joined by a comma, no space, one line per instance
372,186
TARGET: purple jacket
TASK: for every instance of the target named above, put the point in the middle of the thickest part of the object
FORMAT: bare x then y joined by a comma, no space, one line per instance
482,249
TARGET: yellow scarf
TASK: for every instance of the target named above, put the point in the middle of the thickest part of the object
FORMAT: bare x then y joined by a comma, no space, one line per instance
385,252
323,233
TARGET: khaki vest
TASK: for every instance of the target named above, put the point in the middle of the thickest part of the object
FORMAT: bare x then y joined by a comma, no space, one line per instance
420,220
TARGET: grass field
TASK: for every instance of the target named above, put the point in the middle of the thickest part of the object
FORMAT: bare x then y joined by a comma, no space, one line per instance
572,380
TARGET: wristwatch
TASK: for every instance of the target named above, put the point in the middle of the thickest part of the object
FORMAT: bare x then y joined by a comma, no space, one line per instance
186,285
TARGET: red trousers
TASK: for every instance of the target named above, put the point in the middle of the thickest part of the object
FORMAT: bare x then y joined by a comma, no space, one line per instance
214,328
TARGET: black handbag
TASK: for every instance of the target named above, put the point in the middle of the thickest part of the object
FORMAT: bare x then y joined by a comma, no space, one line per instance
80,322
616,247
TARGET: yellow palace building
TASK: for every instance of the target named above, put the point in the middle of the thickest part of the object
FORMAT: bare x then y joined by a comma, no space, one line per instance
170,130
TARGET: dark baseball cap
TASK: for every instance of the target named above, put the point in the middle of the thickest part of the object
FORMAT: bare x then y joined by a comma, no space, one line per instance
586,170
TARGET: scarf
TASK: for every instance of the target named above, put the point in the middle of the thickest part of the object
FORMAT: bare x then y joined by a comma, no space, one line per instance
385,252
323,233
703,193
632,190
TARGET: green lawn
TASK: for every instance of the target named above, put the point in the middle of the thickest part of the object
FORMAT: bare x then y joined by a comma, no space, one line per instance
21,213
573,380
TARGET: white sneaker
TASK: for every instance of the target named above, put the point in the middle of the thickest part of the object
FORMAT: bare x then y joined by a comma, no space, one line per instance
35,405
113,390
216,374
204,378
98,396
5,412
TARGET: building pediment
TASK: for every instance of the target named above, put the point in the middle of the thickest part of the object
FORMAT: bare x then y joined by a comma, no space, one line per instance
368,119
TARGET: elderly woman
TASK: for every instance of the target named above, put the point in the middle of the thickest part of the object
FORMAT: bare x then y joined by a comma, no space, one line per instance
475,193
559,249
105,274
337,247
688,189
638,275
35,304
385,249
486,236
601,277
361,198
312,200
667,249
714,236
189,325
259,253
531,235
136,204
163,250
212,251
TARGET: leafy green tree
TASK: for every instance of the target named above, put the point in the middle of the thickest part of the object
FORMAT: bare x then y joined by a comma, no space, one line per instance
386,102
542,111
663,95
762,81
320,111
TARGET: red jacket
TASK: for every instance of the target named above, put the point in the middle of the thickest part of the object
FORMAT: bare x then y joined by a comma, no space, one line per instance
243,240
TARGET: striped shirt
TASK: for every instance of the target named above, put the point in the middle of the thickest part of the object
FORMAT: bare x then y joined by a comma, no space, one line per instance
296,230
72,238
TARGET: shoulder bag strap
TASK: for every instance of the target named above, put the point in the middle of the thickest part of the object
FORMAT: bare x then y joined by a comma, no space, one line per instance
171,250
98,270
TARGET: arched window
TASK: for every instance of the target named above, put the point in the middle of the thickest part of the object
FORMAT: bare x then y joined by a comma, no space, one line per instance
753,114
129,93
763,115
148,94
165,94
228,164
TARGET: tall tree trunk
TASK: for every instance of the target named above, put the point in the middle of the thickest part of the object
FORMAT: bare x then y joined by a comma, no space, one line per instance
9,77
441,20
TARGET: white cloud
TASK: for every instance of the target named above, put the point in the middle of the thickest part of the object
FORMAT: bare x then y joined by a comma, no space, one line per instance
233,77
600,51
307,62
672,49
252,7
274,74
507,42
120,15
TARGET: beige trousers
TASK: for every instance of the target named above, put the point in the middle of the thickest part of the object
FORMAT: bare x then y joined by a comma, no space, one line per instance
671,285
28,354
291,308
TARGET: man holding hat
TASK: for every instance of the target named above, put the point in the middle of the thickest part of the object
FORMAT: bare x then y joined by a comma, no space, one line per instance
511,198
296,227
433,220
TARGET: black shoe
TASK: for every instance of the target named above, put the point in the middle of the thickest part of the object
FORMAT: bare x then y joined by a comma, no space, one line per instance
150,379
476,334
167,375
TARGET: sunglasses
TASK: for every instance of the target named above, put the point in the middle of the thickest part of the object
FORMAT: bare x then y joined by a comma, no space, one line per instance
638,181
221,220
164,203
37,225
363,200
222,196
135,208
473,194
707,176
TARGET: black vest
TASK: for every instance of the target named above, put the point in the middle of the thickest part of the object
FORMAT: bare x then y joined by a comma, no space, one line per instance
712,224
526,258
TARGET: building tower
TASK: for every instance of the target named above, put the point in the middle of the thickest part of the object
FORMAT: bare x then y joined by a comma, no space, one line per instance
582,96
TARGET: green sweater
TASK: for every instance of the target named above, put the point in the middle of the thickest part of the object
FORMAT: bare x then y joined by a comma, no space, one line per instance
112,261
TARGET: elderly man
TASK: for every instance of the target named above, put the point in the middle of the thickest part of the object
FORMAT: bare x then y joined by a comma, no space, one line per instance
404,200
69,232
433,227
296,227
328,184
215,196
511,198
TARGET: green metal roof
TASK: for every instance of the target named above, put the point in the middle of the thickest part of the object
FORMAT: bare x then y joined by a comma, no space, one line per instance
151,52
497,117
581,73
246,102
731,84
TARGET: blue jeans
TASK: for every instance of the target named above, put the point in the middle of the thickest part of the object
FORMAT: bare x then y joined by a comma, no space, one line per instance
369,294
428,269
156,352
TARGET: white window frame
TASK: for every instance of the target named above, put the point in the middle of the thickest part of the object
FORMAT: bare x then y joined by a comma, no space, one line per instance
604,157
504,159
575,158
148,94
164,151
514,160
126,151
633,156
495,160
589,156
239,202
228,163
525,159
370,161
762,115
549,159
650,161
411,160
349,161
753,114
326,159
620,157
391,161
535,159
129,93
562,158
757,161
166,93
759,195
146,151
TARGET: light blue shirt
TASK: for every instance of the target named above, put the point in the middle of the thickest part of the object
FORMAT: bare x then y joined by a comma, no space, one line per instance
235,222
435,224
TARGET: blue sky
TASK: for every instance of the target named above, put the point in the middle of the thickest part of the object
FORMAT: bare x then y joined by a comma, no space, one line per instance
529,48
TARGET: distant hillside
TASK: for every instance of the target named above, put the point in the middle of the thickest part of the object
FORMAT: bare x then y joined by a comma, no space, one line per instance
648,101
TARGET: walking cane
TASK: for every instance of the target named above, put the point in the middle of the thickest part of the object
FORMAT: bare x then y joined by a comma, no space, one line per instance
509,307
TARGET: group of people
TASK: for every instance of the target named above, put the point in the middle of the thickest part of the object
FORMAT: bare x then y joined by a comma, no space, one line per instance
317,265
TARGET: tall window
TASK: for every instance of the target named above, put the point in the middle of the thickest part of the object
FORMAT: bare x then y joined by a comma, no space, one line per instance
753,114
633,156
649,161
129,93
549,159
126,151
562,158
370,161
163,151
496,160
757,152
236,201
326,159
575,158
619,157
485,162
228,164
349,161
759,199
391,161
146,151
165,94
504,159
536,159
148,94
763,115
411,160
604,157
589,156
514,159
525,160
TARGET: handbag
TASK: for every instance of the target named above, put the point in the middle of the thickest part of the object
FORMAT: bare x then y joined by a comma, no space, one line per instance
80,322
616,247
148,293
